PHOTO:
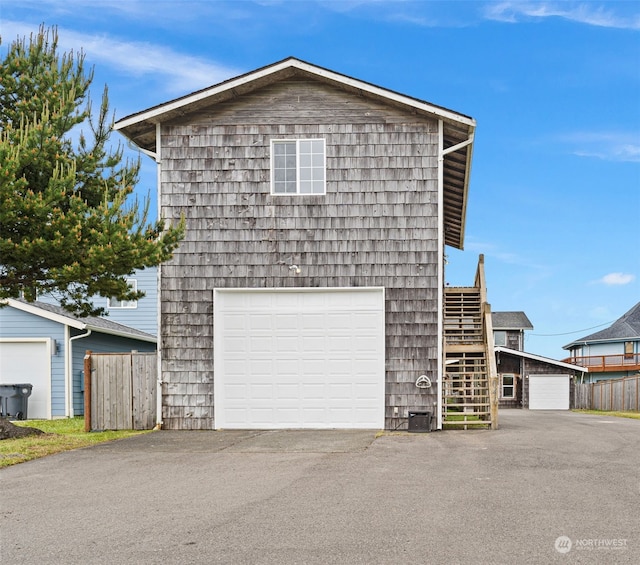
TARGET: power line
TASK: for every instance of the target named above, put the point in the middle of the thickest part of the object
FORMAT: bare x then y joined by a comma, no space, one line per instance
577,331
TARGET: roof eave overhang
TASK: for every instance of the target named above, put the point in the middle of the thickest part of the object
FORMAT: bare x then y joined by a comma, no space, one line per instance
32,309
119,333
248,82
524,354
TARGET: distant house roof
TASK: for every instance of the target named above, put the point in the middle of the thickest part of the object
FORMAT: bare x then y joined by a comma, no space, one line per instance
625,327
93,323
458,129
540,358
510,321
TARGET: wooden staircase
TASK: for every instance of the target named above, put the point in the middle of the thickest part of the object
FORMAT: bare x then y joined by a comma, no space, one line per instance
470,392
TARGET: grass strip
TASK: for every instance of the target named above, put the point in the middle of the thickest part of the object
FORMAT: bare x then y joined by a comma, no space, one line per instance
60,435
616,414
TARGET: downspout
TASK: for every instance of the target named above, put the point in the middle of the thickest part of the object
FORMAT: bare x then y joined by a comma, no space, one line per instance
156,156
69,365
440,340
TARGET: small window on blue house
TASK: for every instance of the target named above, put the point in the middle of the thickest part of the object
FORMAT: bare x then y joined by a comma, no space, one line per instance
628,349
298,166
113,303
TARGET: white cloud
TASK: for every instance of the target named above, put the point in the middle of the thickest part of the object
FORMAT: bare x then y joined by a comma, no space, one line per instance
179,73
580,12
616,279
608,146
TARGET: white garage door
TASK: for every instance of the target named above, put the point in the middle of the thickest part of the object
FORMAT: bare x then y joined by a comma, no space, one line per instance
549,392
28,362
299,358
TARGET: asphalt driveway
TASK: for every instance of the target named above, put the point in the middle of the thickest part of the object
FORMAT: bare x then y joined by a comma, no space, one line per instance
548,487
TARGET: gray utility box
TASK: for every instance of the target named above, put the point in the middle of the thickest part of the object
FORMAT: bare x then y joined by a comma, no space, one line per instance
419,421
14,401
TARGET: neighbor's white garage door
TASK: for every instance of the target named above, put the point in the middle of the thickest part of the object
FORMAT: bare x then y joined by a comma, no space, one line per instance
29,362
549,392
302,358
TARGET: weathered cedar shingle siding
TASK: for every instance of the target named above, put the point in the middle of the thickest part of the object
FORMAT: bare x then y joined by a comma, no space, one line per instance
376,226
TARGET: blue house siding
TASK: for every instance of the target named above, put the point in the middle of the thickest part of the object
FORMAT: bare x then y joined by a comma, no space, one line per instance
98,343
15,324
144,316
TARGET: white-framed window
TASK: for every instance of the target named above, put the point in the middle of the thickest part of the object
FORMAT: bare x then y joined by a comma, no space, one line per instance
508,385
298,166
500,338
115,303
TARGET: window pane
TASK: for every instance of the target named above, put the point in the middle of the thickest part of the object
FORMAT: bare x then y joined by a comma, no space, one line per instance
318,160
318,146
318,187
305,174
305,160
305,146
306,187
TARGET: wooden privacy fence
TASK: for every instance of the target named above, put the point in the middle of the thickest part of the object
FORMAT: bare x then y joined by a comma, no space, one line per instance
120,391
614,394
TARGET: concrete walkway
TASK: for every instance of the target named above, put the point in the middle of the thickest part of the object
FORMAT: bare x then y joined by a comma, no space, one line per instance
548,487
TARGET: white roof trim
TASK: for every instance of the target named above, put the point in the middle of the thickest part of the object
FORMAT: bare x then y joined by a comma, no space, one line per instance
31,309
74,323
588,342
295,63
500,349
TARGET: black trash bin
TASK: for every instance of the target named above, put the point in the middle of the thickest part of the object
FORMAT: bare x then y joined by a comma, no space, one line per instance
14,400
419,421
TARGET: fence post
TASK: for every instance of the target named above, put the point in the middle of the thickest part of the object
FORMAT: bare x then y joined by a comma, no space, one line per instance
87,391
611,395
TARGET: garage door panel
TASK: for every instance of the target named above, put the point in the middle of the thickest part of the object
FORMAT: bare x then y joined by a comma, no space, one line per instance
311,392
549,392
313,324
258,322
323,352
29,362
286,345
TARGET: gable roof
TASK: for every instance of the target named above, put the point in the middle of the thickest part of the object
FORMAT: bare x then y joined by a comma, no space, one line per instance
540,358
458,129
625,327
510,321
95,324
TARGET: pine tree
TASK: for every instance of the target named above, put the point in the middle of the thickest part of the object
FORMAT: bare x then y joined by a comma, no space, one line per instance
68,225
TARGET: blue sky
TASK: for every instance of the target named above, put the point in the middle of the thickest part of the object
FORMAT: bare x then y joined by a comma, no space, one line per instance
554,201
